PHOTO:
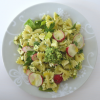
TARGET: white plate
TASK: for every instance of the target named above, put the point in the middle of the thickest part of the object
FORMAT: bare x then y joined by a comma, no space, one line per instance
10,54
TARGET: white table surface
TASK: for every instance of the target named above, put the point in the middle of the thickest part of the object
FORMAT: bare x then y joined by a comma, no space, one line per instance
90,9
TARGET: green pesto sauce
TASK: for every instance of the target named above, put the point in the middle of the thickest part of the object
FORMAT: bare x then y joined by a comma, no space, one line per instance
53,55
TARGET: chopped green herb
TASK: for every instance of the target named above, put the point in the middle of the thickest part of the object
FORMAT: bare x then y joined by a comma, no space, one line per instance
28,67
77,66
29,53
38,23
69,62
44,44
48,90
72,33
74,76
64,58
73,26
20,46
81,51
36,43
50,19
75,43
51,28
28,61
43,23
28,44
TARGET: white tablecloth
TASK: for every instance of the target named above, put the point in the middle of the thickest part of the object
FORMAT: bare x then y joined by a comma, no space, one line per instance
90,9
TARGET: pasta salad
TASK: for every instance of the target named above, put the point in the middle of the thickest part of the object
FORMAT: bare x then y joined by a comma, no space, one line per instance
51,51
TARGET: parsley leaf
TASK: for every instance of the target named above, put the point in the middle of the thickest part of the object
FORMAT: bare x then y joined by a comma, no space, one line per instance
48,90
74,76
73,26
29,53
77,66
57,15
81,51
75,43
72,33
36,43
28,44
38,23
28,61
20,46
51,28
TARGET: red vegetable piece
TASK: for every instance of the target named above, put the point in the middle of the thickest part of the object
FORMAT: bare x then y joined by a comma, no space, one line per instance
58,79
34,57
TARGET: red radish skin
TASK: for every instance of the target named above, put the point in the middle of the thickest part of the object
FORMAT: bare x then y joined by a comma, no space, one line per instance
83,40
58,79
27,48
34,57
74,50
29,78
28,72
42,80
67,51
61,38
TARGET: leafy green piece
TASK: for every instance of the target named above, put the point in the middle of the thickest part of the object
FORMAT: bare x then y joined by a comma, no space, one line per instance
29,53
28,61
43,23
81,51
30,23
75,43
36,43
72,33
20,46
77,66
28,44
48,35
57,15
73,26
74,76
51,28
38,23
48,90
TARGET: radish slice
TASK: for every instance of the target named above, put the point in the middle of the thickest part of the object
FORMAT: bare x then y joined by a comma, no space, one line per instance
58,78
28,72
31,78
27,48
59,36
34,57
71,50
35,79
80,40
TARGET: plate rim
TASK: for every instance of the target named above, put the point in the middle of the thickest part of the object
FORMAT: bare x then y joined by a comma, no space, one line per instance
29,8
